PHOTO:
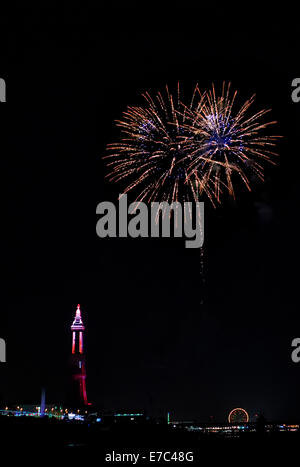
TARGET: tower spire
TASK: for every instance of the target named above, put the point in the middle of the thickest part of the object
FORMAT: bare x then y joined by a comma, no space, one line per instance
77,323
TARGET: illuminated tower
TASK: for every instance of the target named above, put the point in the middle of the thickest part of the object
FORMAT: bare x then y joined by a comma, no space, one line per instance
78,361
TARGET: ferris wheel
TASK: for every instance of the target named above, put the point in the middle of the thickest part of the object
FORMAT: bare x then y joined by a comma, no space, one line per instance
238,415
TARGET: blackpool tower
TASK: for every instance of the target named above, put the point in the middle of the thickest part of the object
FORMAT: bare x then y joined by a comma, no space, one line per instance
79,396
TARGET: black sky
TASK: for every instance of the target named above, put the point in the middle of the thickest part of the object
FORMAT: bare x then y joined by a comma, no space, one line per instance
150,341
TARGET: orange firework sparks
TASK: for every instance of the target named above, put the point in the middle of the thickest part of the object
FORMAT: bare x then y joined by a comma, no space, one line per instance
227,143
170,151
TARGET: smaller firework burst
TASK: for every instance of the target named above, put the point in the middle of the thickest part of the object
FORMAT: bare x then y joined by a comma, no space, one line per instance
224,143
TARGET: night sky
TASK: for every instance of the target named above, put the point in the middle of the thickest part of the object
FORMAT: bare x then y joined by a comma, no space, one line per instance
150,341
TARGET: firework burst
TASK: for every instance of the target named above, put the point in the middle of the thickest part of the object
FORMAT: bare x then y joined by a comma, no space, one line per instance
225,143
152,155
170,151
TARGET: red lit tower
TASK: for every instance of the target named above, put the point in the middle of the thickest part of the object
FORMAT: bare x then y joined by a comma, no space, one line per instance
78,361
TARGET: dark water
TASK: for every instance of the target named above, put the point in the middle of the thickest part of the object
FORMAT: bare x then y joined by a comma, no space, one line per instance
79,443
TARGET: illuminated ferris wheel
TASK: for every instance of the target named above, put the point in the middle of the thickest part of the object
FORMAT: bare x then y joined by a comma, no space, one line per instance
238,416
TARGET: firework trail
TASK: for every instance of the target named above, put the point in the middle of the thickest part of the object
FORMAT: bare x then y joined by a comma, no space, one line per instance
170,151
